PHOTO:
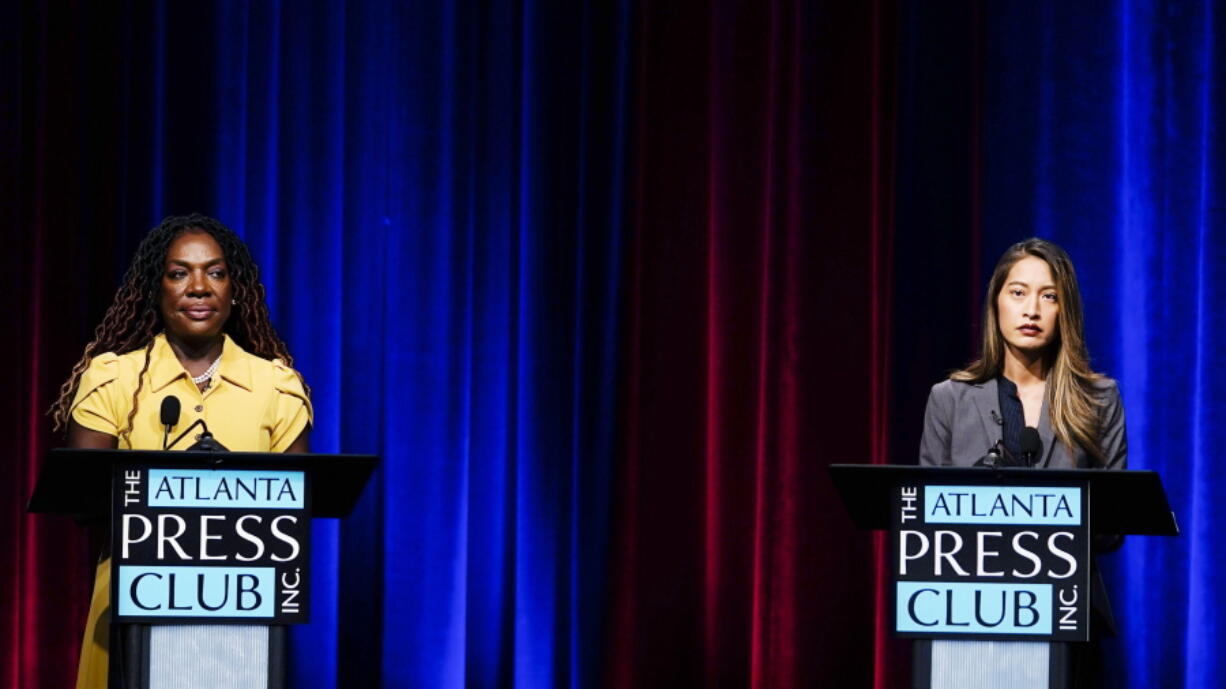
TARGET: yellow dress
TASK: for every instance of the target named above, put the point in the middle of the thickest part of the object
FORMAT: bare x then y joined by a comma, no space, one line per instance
252,405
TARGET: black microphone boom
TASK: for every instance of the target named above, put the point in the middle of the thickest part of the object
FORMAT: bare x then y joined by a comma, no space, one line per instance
206,442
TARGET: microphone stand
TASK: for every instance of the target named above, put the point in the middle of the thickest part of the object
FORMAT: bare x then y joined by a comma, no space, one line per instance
206,443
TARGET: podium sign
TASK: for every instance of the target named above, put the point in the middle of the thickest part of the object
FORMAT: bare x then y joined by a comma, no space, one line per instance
991,561
199,543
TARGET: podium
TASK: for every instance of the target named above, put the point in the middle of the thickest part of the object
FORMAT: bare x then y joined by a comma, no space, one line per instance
210,554
992,568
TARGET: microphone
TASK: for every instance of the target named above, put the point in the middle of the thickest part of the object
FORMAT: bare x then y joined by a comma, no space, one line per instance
1032,445
169,416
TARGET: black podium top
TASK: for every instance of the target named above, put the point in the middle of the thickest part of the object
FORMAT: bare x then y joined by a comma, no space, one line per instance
1121,502
78,482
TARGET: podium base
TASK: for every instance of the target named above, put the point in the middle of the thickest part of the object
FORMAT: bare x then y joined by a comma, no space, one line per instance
941,664
199,657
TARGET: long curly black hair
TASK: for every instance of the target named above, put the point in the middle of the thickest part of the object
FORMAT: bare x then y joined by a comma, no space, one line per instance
135,318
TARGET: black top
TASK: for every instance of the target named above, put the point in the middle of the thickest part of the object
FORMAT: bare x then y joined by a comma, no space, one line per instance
1013,418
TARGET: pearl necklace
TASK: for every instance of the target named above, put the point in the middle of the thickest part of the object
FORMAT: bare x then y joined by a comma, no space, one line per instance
208,373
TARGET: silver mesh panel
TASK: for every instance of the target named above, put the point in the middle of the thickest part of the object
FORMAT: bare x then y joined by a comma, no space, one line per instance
990,664
208,657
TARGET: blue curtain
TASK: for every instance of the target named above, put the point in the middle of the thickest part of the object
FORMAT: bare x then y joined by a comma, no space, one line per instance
1103,133
433,193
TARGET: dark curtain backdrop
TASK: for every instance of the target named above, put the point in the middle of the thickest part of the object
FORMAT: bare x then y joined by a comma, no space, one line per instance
608,285
757,352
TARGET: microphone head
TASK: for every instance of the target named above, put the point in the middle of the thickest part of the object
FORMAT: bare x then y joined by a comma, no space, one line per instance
170,410
1032,444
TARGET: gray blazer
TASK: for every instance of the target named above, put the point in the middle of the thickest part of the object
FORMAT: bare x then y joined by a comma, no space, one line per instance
962,422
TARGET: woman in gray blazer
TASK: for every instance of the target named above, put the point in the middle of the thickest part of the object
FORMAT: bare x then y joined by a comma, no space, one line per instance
1033,373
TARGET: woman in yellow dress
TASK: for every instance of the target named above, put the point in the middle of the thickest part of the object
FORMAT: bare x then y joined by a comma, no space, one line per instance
190,320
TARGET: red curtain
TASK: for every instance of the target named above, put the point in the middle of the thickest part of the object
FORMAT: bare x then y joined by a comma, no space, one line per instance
758,316
58,130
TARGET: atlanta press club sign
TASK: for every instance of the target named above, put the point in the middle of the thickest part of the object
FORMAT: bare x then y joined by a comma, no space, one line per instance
209,545
998,561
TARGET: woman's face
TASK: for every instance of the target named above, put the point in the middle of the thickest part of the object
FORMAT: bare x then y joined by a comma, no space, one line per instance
196,288
1028,305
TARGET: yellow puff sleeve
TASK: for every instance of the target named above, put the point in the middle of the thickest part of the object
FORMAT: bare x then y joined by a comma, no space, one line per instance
97,405
293,412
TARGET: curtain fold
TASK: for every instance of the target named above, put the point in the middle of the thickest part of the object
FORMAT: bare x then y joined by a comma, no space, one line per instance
759,233
54,183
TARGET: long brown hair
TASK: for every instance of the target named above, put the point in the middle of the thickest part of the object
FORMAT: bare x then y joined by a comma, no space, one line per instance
134,317
1071,382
